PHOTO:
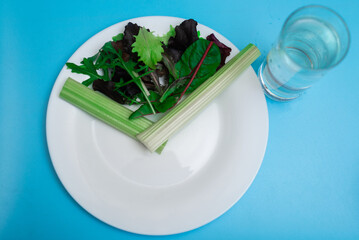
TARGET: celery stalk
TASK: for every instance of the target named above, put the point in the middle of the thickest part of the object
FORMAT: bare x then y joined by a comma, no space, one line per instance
160,131
104,109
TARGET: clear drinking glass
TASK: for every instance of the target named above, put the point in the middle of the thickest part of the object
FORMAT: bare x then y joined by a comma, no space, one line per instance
313,40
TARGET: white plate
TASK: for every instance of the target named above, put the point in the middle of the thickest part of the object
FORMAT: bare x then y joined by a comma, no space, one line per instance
201,173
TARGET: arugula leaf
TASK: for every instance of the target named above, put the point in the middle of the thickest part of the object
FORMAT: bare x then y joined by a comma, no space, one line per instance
94,57
148,47
129,66
89,66
107,61
86,68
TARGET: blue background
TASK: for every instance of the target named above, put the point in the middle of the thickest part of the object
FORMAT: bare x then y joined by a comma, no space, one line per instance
308,184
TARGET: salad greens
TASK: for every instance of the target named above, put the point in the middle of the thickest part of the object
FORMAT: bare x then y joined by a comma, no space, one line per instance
191,57
154,72
148,47
158,133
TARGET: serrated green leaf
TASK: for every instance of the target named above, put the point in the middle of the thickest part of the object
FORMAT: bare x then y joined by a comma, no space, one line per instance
171,33
108,59
148,47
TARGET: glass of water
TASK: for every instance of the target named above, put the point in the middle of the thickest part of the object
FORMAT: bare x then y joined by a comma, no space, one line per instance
313,40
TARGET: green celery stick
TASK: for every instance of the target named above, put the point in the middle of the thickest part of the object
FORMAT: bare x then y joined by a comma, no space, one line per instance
159,132
104,109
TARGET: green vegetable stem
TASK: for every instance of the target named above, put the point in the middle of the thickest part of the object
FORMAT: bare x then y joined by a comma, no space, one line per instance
182,113
104,109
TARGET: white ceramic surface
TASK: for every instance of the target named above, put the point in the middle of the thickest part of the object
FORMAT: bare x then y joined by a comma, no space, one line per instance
201,173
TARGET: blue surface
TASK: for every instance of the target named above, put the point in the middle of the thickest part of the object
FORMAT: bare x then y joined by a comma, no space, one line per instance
307,187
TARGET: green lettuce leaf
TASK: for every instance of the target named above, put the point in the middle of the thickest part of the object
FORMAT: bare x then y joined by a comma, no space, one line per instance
171,33
148,47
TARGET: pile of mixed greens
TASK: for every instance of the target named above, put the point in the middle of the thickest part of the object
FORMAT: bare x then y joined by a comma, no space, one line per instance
138,67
